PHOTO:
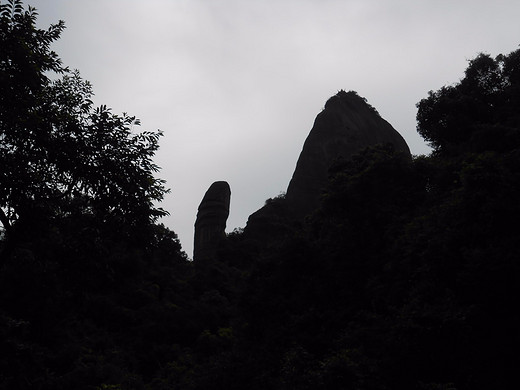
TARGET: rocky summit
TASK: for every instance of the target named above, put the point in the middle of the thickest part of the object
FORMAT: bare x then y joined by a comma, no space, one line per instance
347,125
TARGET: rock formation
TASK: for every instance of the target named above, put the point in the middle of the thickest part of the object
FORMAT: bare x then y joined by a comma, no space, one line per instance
211,220
347,125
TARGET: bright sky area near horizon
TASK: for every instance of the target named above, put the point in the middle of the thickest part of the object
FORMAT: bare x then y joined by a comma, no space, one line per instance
235,85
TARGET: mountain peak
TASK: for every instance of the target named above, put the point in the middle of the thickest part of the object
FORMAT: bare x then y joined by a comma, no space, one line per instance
347,125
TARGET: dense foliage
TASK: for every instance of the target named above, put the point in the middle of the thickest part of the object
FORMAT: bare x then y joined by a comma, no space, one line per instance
478,113
79,241
405,277
56,150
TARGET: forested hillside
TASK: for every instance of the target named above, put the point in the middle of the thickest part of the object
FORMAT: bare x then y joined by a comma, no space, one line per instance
405,277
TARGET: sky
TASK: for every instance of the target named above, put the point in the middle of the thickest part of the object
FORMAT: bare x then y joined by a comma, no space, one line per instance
235,85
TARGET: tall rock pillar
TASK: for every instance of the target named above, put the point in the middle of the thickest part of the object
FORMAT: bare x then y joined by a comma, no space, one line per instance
210,226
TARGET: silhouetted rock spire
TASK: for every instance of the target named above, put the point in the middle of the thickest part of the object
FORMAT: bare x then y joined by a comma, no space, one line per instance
347,125
210,225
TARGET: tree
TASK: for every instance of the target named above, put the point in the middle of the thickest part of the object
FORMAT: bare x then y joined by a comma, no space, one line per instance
59,155
478,113
81,255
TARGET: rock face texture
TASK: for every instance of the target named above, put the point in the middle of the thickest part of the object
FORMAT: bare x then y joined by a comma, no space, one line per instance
346,126
211,220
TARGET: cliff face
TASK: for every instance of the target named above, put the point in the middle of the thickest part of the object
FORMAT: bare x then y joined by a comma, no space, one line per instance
346,126
210,226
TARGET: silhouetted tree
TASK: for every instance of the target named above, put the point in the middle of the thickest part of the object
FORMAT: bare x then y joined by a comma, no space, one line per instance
86,273
59,155
478,113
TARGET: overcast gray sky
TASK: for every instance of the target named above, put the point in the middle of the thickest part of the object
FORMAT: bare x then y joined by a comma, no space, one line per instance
236,84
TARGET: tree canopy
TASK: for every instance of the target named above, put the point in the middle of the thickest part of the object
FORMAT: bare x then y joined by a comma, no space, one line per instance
478,113
58,153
